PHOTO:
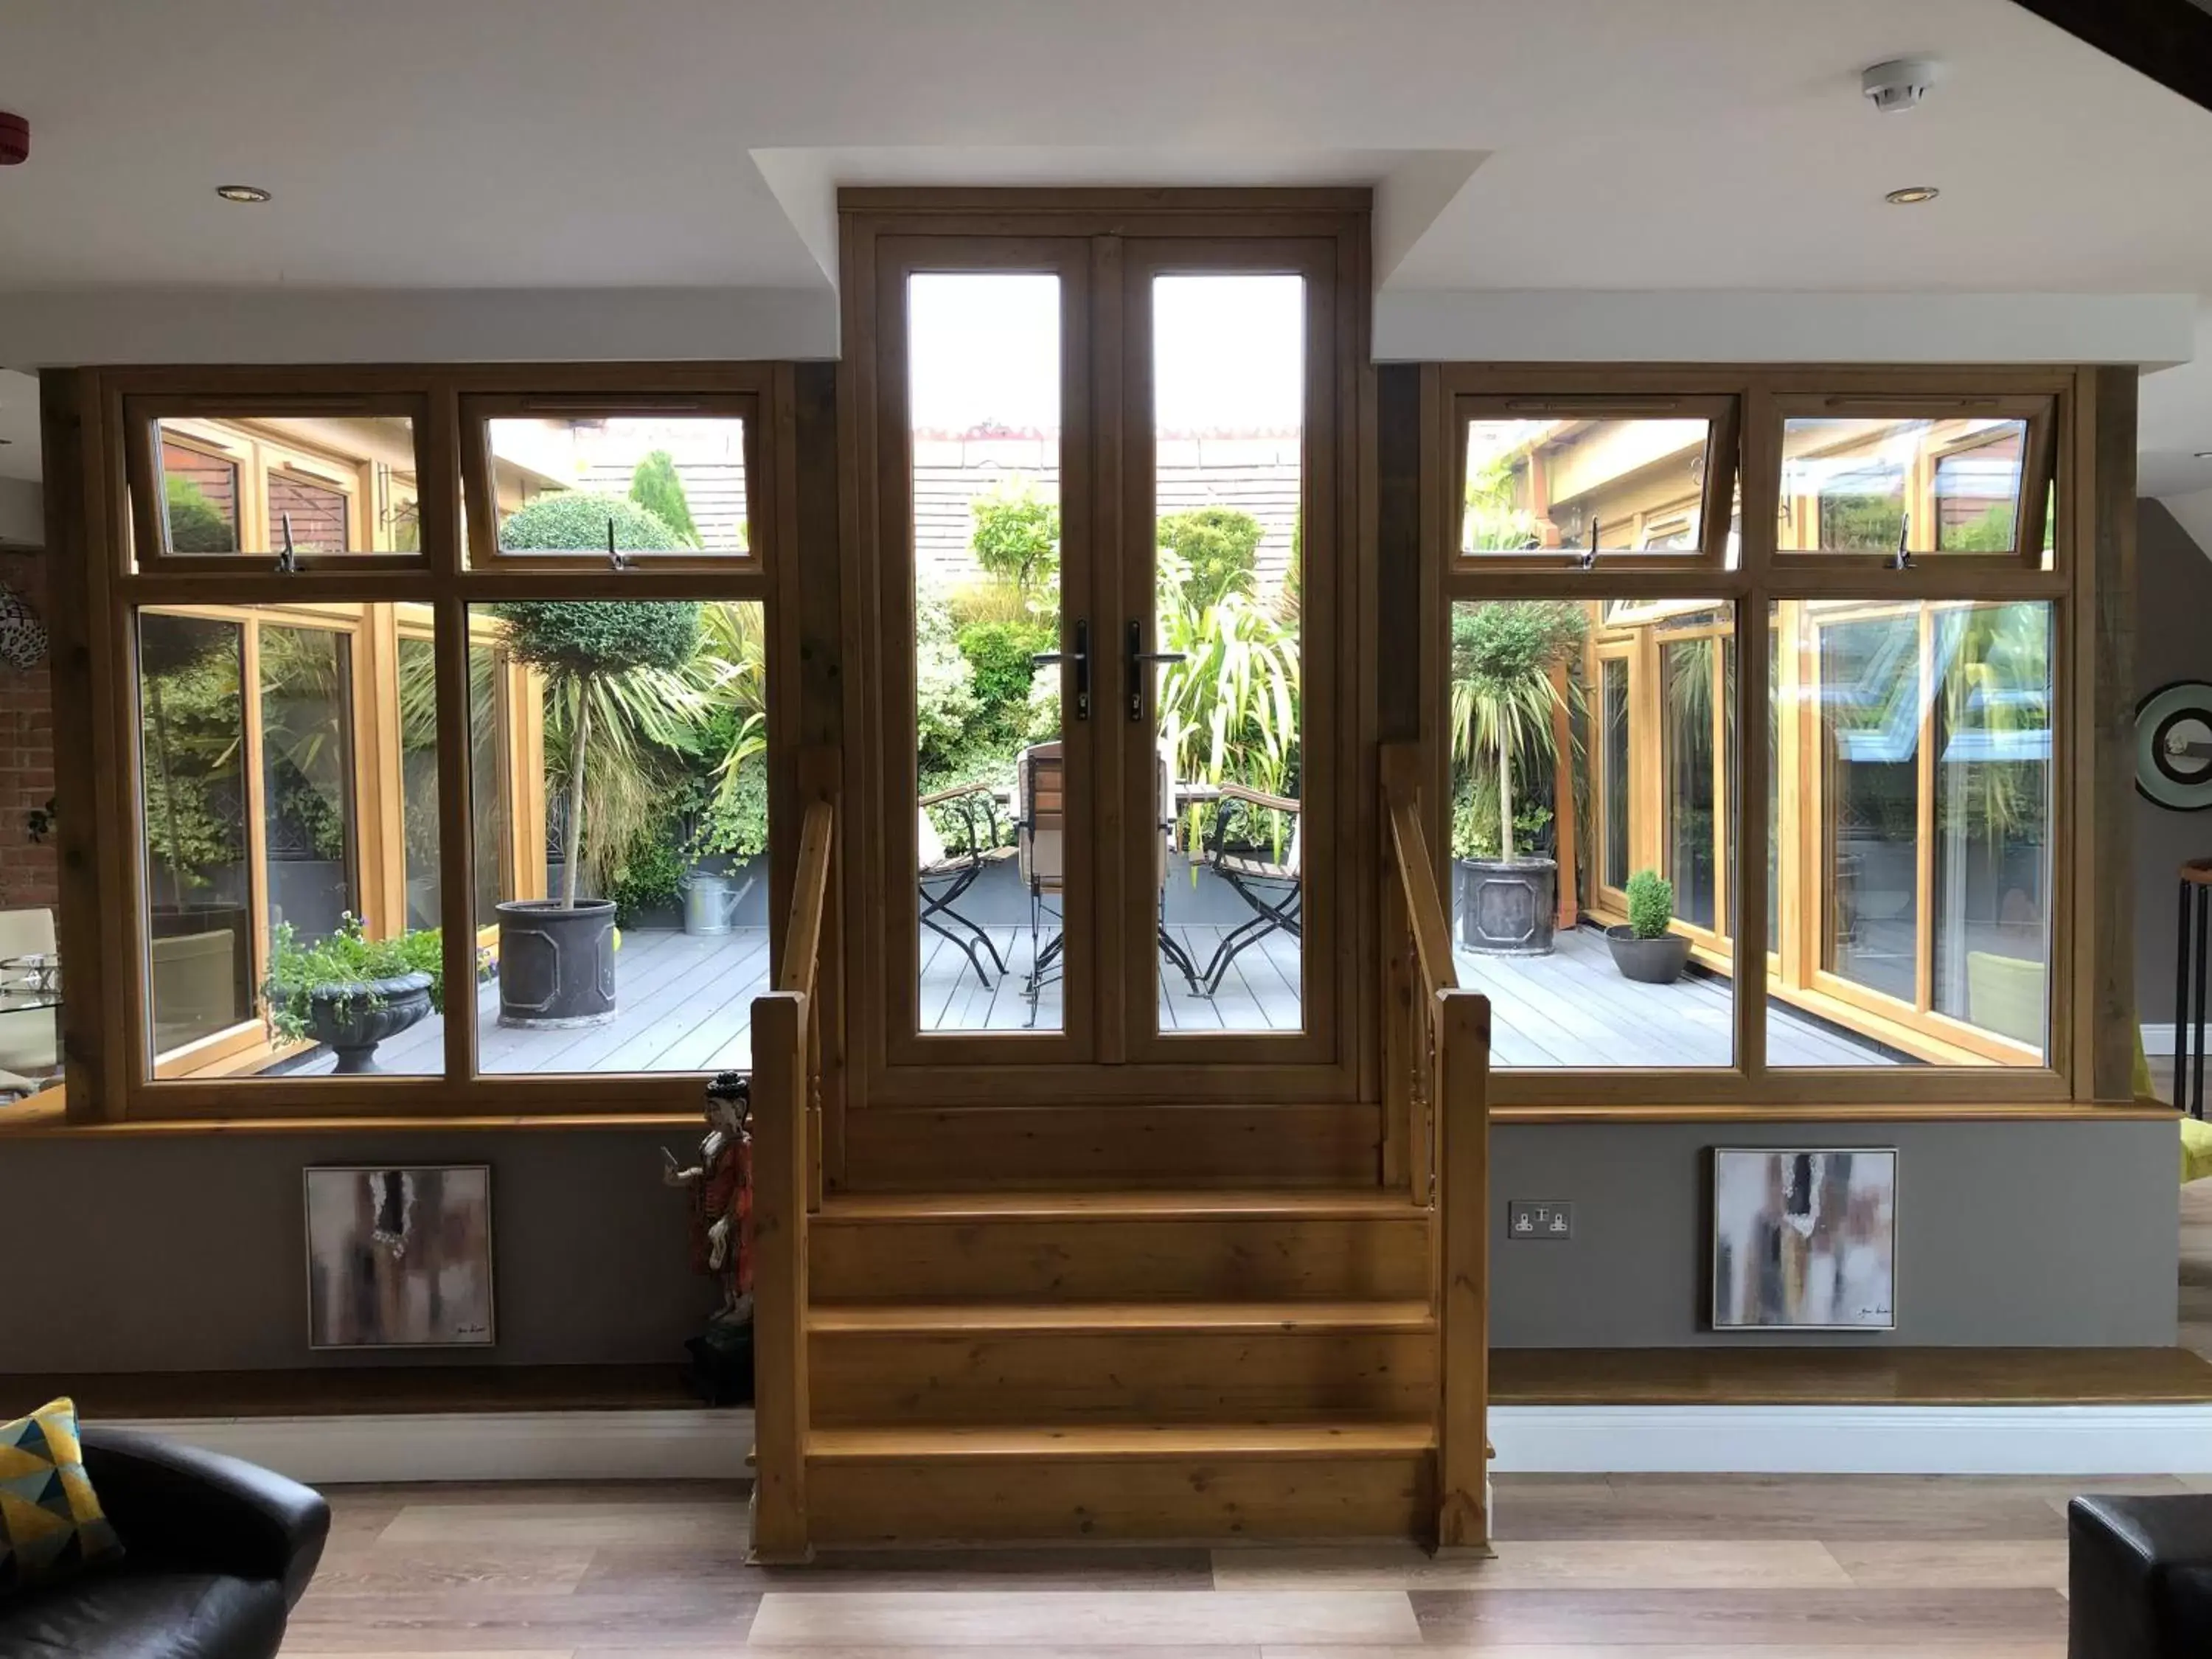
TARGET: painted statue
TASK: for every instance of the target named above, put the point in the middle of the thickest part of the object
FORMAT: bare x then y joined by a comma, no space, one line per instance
720,1185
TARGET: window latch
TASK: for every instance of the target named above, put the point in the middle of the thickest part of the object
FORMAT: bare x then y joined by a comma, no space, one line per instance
1902,559
1588,561
615,560
287,557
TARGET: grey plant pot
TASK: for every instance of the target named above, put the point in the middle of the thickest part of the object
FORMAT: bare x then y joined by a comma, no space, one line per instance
557,966
1659,961
351,1018
1506,907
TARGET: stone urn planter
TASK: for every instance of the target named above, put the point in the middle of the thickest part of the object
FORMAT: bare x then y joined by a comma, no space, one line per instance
1506,907
1659,961
557,963
351,1019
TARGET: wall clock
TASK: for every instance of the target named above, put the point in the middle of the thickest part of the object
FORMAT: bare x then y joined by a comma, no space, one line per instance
2174,746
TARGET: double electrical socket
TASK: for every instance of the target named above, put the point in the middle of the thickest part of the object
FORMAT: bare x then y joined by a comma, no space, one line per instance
1532,1218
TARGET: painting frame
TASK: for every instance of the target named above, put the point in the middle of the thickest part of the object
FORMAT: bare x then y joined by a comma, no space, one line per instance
1723,1278
476,1328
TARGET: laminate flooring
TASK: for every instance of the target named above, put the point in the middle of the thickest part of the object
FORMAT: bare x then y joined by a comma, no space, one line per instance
1586,1567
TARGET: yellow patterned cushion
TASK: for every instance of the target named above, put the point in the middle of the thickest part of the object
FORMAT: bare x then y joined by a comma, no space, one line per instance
51,1524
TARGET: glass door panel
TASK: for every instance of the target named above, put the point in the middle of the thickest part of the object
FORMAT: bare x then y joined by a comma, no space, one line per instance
1229,389
992,864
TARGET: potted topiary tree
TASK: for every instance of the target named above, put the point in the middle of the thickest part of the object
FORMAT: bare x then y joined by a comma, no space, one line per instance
1503,698
556,956
1646,949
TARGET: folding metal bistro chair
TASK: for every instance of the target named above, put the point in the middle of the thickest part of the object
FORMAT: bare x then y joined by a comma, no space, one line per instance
943,875
1041,844
1268,884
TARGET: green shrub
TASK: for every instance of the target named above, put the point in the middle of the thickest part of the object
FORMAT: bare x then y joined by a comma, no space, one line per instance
575,521
1017,537
1218,545
1474,824
651,877
296,970
1650,904
658,488
999,658
584,638
733,822
196,525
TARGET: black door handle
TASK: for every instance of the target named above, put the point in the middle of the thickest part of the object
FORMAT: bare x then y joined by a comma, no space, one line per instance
1080,657
1138,656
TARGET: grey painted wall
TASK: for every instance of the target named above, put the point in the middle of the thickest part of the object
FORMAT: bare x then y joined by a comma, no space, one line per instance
2173,641
2010,1235
184,1252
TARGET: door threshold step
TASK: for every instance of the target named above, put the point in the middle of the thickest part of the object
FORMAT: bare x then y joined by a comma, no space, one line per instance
1118,1205
1121,1441
1087,1318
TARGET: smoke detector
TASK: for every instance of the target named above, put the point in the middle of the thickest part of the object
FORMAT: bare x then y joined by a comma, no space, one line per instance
1899,83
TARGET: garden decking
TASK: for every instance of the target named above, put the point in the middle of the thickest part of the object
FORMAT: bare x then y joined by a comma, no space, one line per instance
686,1006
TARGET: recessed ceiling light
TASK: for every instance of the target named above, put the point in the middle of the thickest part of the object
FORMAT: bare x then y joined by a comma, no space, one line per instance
1912,194
242,192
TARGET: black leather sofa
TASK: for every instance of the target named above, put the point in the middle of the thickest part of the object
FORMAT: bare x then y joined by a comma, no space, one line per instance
217,1554
2139,1577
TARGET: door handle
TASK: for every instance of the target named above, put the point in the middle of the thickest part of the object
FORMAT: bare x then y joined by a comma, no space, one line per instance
1138,656
1080,657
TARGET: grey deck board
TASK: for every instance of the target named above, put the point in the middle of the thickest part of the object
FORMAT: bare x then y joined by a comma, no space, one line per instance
685,1005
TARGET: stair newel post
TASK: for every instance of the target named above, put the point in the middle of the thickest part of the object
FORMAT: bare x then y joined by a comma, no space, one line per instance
1462,1130
781,1192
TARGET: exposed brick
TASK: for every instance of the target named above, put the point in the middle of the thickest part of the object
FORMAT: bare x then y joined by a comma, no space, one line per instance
29,872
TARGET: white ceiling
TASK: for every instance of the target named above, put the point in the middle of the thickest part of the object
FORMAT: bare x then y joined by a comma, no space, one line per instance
1619,146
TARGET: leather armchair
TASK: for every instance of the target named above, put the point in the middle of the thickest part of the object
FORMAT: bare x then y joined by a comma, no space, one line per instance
2139,1577
216,1554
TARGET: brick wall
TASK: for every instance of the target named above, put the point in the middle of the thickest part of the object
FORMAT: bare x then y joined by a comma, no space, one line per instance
28,872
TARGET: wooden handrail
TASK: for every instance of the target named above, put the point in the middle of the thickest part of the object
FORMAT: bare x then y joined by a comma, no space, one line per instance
1425,909
809,902
1436,1079
786,1084
780,1407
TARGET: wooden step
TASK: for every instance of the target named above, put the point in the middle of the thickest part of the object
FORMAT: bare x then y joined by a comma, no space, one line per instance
1122,1362
1330,1244
1067,1481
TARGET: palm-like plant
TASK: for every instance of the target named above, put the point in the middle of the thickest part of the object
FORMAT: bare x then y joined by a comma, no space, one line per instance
1228,710
1503,694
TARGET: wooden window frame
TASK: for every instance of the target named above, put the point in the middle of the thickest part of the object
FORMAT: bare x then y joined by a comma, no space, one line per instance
2036,470
480,409
104,480
1724,413
256,453
2084,446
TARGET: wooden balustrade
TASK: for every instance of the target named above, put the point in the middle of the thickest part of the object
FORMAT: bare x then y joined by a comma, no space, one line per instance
1436,1069
786,1105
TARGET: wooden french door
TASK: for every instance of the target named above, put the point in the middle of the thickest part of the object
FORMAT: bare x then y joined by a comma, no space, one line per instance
1102,637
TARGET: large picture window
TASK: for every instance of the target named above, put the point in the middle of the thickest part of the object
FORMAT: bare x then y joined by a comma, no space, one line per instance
320,676
1905,702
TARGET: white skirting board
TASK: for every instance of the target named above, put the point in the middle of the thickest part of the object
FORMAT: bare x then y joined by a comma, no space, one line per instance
713,1445
678,1445
2158,1040
1853,1439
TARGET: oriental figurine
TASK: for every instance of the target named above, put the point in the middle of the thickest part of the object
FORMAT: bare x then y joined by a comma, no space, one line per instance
720,1185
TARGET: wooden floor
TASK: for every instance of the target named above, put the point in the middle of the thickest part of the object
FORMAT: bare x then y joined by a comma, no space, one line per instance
1259,991
1586,1567
1572,1007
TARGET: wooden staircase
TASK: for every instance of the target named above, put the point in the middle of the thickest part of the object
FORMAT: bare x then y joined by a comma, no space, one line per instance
1119,1365
1133,1362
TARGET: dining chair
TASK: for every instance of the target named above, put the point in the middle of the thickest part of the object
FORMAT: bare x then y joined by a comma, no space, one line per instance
943,874
1267,881
1041,841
